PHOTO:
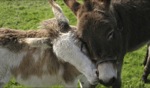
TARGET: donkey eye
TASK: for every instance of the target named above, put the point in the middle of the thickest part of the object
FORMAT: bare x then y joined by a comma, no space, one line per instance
110,35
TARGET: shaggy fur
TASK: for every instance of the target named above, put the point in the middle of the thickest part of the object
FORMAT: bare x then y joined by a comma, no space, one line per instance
110,29
45,57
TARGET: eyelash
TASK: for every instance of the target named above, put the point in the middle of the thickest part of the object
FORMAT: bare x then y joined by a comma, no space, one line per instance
110,35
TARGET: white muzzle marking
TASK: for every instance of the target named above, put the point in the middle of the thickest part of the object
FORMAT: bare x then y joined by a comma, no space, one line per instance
106,72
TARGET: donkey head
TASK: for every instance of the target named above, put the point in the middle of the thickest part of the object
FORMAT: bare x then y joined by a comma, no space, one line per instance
97,27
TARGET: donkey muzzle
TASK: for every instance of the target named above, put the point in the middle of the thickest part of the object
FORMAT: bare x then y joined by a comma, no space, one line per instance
107,73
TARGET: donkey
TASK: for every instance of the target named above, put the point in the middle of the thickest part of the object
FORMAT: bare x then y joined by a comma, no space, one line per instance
110,29
45,57
146,64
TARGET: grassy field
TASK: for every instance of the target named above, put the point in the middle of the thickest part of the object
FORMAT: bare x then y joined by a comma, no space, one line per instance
27,14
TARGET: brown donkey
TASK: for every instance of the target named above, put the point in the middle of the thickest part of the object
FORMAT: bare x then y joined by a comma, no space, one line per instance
110,29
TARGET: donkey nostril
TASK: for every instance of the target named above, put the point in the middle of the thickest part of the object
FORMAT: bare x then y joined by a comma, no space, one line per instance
97,73
112,80
110,83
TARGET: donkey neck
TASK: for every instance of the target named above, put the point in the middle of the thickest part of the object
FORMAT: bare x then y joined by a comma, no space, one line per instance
134,19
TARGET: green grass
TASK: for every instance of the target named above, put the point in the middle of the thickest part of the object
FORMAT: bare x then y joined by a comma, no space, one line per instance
27,14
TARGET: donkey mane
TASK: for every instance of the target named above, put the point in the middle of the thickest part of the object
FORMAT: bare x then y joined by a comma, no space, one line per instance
48,28
11,38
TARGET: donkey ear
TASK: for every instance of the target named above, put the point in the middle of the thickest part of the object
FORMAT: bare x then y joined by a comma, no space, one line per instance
73,5
103,4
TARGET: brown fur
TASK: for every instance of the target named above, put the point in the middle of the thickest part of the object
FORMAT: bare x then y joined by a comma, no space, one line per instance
29,66
31,63
9,39
111,28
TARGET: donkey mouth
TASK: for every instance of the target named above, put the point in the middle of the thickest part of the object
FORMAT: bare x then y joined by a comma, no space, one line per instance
107,73
110,83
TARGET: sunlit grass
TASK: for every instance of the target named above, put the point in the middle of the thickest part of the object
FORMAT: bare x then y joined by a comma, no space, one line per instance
27,14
